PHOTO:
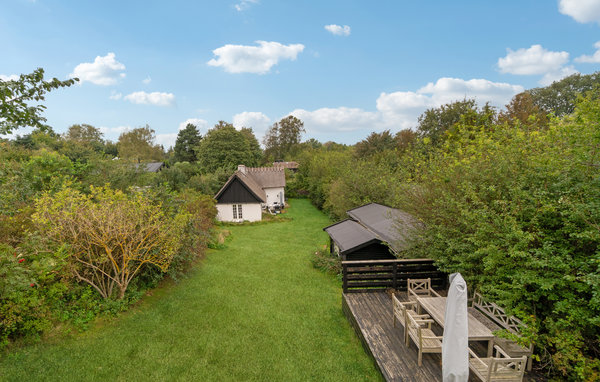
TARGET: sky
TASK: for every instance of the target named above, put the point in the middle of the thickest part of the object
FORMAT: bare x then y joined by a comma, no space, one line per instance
345,68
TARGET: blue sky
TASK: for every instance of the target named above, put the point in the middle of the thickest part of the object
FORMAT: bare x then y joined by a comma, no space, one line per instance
346,68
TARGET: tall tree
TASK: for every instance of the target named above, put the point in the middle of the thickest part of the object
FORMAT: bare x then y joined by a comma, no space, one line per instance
84,134
434,123
283,138
16,95
374,143
560,97
186,144
225,147
138,145
521,109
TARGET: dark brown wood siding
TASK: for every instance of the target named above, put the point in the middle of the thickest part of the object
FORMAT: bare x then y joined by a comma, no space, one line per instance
375,251
237,193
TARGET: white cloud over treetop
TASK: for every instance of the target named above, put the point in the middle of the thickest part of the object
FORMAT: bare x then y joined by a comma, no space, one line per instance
12,77
400,110
103,71
258,121
154,98
583,11
338,30
593,59
254,59
199,123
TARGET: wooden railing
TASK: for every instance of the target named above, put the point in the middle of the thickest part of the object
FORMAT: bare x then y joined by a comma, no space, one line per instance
378,275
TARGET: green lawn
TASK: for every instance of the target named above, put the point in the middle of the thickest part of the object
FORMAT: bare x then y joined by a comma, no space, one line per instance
256,310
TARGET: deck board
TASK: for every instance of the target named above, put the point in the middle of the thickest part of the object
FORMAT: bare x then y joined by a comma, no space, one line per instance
371,316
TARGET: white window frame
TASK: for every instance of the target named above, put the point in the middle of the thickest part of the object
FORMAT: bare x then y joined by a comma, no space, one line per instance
235,212
240,212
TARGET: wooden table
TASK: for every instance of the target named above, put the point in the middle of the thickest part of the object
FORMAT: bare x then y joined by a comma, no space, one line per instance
436,308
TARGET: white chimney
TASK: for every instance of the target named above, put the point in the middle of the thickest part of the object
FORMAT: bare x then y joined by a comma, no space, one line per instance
242,168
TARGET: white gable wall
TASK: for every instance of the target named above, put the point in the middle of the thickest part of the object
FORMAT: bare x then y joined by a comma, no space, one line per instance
274,194
250,212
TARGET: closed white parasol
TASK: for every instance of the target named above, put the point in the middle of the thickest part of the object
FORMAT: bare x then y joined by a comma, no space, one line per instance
455,345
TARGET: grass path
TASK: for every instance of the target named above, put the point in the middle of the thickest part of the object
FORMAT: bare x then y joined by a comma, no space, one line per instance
256,310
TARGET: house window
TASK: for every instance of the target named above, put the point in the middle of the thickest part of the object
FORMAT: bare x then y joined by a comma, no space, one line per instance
237,212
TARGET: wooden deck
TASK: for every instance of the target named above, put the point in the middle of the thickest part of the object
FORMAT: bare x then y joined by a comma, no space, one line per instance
371,316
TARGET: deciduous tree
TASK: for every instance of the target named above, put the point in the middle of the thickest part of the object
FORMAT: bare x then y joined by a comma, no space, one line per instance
110,235
17,96
283,138
138,144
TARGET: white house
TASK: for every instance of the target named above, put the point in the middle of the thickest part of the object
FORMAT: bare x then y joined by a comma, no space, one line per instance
248,191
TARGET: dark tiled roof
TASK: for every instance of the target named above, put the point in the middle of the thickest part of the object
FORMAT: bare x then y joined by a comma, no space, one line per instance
348,235
267,177
390,224
374,221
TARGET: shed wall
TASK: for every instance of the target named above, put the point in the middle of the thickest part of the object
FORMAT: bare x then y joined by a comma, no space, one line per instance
376,251
275,194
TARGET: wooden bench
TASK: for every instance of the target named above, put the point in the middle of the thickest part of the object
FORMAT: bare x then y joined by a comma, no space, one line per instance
419,330
498,368
420,288
498,317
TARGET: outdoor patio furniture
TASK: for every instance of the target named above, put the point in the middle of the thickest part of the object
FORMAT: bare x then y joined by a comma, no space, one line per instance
400,310
436,308
506,322
498,368
419,330
420,288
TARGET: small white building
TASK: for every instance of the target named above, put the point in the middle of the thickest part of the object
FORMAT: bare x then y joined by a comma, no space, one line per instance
248,191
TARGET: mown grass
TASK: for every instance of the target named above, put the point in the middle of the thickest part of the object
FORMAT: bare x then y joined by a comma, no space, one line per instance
255,310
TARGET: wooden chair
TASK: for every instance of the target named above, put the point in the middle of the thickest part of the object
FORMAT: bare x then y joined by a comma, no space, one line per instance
400,310
506,322
420,288
498,368
419,330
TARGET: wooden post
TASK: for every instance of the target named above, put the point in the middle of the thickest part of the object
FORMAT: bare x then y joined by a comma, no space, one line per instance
395,274
345,277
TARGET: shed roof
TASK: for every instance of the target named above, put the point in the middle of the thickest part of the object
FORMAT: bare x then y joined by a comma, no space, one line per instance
390,224
373,222
150,166
350,235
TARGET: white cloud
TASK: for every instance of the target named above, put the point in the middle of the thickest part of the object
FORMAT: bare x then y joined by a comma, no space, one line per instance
593,59
199,123
583,11
447,89
167,140
558,75
154,98
400,110
338,30
244,4
112,133
254,59
103,71
534,60
147,80
12,77
115,96
258,121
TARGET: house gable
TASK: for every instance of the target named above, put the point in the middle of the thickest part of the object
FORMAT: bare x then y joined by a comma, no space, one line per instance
237,191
